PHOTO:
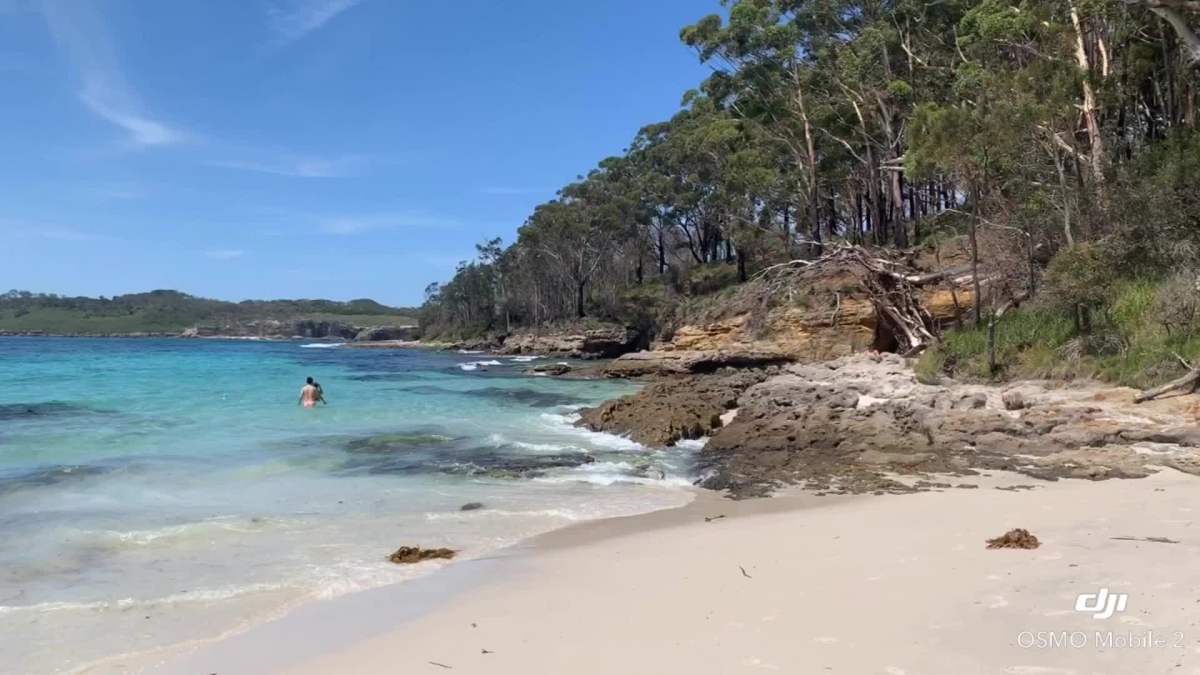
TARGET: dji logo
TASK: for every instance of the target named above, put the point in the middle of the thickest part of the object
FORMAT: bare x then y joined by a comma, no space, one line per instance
1101,605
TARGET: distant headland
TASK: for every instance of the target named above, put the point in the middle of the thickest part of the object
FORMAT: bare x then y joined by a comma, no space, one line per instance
176,314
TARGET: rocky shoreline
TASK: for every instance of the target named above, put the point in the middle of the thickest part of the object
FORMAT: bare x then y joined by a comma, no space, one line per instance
864,424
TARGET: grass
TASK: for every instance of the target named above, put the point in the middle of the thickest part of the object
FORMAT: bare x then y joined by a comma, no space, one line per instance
1127,346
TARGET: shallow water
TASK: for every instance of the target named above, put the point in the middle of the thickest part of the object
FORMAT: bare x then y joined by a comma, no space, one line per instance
154,492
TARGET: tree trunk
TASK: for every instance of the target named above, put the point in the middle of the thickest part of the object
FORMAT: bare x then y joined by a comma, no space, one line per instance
974,242
1089,106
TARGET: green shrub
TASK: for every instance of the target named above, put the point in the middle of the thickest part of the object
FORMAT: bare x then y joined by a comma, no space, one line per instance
705,279
1175,305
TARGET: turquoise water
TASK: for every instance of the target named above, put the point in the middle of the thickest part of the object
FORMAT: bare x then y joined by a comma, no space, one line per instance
159,492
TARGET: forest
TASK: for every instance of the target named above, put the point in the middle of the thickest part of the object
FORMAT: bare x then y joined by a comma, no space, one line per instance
172,312
1053,141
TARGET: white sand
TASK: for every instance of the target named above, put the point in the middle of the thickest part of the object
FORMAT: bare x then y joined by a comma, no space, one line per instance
893,585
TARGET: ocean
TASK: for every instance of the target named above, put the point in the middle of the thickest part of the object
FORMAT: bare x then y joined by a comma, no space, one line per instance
155,493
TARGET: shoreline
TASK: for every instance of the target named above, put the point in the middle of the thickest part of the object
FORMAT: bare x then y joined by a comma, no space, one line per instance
344,620
796,583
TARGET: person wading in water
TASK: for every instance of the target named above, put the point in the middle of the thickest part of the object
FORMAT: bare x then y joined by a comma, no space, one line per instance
311,394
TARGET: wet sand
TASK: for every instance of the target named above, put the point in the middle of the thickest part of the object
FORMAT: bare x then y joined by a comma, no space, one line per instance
896,584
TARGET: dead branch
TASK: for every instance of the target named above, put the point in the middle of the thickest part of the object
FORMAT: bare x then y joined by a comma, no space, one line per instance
890,284
1190,381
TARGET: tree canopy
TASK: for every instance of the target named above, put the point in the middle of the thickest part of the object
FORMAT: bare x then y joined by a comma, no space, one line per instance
1027,127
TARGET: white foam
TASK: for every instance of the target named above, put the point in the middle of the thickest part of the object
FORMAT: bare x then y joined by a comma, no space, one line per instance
562,514
499,440
565,424
474,365
524,359
322,345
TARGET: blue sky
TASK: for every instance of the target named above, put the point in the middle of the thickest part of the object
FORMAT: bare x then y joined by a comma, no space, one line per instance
307,148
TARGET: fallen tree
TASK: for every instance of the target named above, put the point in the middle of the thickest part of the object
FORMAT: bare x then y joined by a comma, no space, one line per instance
1189,381
889,280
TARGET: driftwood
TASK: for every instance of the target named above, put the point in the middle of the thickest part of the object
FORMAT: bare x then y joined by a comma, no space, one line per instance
1190,382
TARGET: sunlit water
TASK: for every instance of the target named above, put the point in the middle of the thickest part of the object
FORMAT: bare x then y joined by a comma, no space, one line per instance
154,492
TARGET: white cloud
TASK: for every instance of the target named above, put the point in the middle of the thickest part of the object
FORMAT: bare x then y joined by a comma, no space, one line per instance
300,167
293,19
81,34
228,254
352,225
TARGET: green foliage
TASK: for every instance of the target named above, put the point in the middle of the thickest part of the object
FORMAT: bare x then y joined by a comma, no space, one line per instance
886,123
1175,305
710,278
1129,347
1079,276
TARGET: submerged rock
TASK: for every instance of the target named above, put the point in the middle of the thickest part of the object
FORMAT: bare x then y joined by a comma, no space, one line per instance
11,481
16,411
471,506
553,369
407,555
388,443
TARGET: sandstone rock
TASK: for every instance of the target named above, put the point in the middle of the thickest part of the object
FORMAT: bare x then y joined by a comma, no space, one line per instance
853,422
682,362
407,555
607,342
1013,400
837,319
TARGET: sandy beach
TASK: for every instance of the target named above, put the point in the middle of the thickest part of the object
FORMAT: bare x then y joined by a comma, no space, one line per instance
896,584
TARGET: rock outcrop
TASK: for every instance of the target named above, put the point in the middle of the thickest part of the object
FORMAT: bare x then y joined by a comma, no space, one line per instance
380,333
829,325
675,408
593,343
849,425
684,362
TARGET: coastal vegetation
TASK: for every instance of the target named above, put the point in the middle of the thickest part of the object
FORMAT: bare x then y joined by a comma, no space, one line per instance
166,311
1050,148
